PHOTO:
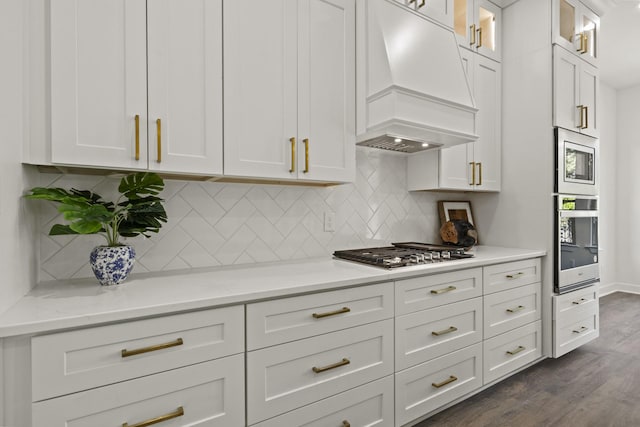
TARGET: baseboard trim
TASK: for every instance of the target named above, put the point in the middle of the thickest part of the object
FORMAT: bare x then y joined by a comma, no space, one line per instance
610,288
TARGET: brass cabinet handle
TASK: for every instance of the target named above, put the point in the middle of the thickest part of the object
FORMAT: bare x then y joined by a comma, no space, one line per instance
293,154
584,43
443,290
472,34
159,130
479,30
473,173
516,351
137,120
444,331
445,382
580,301
479,173
581,48
515,275
422,3
127,353
586,117
175,414
513,310
306,155
412,1
581,330
581,108
343,362
331,313
346,423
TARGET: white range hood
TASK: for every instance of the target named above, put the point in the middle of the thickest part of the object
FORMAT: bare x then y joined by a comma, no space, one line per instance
412,89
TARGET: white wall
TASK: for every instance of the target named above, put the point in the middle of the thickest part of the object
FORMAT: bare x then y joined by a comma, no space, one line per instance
17,224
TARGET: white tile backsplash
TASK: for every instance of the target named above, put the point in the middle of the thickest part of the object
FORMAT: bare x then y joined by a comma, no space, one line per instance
214,224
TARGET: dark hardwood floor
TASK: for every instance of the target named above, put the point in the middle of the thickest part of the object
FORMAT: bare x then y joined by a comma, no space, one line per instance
595,385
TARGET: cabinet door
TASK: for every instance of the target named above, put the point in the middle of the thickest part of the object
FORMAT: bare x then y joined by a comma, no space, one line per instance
98,82
463,23
566,27
438,10
185,86
566,113
589,94
260,88
326,90
488,19
590,29
487,148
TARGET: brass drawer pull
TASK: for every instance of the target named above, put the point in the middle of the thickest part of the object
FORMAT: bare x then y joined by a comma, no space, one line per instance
581,330
580,301
473,173
445,331
443,290
127,353
331,313
343,362
159,130
445,382
346,423
581,108
293,154
306,155
422,3
472,34
177,413
137,122
516,351
515,275
513,310
479,30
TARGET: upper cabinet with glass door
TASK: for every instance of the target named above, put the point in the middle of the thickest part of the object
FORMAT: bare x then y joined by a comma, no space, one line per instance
438,10
478,26
577,29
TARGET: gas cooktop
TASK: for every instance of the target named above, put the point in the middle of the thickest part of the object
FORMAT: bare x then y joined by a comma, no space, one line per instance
404,254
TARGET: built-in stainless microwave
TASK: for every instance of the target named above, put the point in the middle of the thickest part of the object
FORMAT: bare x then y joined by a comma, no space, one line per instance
576,163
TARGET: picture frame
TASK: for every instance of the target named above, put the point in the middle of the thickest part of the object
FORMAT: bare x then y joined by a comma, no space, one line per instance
451,210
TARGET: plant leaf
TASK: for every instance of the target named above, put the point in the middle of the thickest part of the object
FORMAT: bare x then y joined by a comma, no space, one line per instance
84,218
136,185
59,229
53,194
144,216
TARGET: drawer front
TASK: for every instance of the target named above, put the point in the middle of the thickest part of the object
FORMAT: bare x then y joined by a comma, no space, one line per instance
501,277
582,300
426,387
283,320
507,310
427,334
368,405
430,291
72,361
209,393
512,350
572,332
288,376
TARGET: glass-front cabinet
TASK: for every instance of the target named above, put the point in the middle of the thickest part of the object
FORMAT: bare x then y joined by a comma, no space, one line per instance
576,28
477,24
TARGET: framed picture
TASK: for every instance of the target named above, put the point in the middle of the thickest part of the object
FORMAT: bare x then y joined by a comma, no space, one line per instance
450,210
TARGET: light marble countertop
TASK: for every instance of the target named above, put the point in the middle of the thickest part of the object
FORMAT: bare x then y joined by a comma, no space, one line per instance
76,303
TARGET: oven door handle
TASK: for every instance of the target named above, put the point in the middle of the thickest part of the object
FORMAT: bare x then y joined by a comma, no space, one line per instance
578,214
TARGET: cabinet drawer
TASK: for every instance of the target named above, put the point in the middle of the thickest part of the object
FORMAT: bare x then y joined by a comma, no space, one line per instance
426,387
289,319
288,376
72,361
507,310
430,291
582,300
209,393
367,405
510,275
507,352
574,326
427,334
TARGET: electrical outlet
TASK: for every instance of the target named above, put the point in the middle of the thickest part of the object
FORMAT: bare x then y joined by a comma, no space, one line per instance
329,221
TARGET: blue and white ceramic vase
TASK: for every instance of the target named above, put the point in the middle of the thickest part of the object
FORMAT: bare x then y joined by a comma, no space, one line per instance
112,264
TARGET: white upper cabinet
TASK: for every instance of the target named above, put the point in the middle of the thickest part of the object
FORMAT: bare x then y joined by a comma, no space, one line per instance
290,89
577,29
104,56
478,26
438,10
576,87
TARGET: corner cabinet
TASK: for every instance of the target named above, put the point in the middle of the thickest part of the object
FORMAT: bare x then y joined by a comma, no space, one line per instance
289,89
124,91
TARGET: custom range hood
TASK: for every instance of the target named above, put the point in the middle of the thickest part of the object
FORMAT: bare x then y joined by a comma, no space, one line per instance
412,90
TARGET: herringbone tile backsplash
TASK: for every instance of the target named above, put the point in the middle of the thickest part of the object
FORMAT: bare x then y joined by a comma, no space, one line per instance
213,224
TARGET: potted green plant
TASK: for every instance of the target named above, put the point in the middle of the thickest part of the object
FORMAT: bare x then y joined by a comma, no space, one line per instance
138,211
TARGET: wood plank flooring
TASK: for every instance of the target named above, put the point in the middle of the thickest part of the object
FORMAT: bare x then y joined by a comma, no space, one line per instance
596,385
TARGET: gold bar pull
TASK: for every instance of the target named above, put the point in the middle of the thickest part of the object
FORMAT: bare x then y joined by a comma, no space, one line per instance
516,351
306,155
293,155
177,413
346,423
422,3
343,362
444,331
581,108
472,34
580,301
137,120
479,173
443,290
513,310
515,275
586,43
473,173
581,48
159,130
581,330
127,353
445,382
479,30
412,1
586,117
331,313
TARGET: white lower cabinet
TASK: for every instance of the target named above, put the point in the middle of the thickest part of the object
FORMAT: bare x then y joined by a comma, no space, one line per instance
510,309
368,405
424,388
576,319
205,394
